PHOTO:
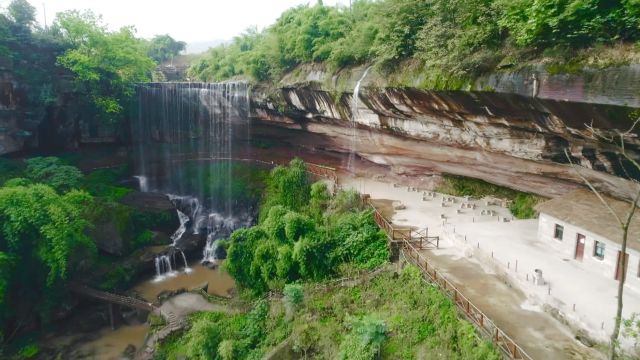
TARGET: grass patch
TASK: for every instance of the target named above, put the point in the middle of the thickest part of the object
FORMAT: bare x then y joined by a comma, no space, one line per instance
393,316
522,206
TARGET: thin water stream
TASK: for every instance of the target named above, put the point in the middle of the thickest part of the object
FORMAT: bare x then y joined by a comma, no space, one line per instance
220,283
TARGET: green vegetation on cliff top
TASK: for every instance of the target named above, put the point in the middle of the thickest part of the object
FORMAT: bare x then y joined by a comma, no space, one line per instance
453,40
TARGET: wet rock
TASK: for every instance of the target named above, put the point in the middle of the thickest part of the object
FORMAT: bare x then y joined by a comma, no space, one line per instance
585,339
108,238
167,294
148,201
400,207
201,287
129,352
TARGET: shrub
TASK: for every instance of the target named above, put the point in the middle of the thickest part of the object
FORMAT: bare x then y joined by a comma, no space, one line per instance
365,338
51,171
293,295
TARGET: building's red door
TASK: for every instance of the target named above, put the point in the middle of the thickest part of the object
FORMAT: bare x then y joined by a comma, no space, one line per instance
580,247
621,266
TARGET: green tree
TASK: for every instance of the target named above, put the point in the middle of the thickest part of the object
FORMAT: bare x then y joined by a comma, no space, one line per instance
400,21
574,23
51,171
42,241
106,64
164,47
22,13
365,338
461,37
288,186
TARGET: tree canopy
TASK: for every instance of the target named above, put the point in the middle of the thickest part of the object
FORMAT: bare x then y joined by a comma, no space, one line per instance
457,37
22,13
164,47
303,234
106,64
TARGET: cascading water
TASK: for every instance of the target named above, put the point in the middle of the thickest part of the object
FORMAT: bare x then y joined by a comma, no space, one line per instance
183,144
182,229
354,116
143,183
187,269
163,267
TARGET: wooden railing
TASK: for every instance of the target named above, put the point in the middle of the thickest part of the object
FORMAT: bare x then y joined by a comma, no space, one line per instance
483,323
111,297
419,238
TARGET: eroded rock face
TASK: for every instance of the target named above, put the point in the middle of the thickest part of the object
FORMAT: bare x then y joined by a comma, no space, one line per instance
507,139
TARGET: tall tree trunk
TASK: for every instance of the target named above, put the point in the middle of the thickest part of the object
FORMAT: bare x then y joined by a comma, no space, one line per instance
622,262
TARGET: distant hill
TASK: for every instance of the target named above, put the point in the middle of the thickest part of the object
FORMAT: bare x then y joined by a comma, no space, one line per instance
202,46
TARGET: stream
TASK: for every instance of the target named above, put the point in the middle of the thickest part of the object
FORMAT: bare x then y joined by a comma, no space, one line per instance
108,344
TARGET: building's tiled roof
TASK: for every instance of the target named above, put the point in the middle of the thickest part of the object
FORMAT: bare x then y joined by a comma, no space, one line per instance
583,209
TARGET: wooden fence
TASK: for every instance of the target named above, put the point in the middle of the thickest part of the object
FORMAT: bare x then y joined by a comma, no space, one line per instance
410,248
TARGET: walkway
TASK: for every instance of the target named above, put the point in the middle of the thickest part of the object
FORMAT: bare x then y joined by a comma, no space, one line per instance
112,298
175,311
540,335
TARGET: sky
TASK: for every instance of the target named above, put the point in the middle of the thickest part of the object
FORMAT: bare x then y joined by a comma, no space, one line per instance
186,20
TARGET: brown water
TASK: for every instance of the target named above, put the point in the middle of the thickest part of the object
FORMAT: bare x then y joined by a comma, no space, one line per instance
220,283
110,344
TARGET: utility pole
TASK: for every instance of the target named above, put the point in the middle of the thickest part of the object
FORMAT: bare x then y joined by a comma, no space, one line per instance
44,12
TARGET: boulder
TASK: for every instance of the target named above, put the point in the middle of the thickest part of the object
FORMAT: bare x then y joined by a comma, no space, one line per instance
107,237
148,201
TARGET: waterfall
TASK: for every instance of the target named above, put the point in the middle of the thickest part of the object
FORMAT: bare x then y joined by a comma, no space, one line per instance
183,143
187,269
182,229
163,267
143,183
354,114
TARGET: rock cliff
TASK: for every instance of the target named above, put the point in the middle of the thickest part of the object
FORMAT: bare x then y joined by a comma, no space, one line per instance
502,136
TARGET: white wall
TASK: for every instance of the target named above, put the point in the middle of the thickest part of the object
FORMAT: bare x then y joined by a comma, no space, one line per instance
567,246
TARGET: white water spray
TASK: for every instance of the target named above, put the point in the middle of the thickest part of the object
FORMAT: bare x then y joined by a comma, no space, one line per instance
355,112
187,269
182,229
143,183
163,267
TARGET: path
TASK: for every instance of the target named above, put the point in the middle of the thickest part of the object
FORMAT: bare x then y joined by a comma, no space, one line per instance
174,311
542,336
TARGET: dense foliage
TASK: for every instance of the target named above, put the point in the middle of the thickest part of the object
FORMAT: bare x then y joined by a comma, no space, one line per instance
163,47
303,234
522,204
392,316
106,64
42,241
459,38
50,216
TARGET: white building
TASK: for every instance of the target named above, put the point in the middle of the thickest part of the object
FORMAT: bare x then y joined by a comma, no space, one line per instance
583,231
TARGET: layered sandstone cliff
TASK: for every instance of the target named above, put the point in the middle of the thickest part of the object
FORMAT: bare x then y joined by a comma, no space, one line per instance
503,137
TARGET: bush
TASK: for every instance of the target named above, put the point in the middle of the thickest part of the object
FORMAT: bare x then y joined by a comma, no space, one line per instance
293,296
304,235
51,171
365,338
522,206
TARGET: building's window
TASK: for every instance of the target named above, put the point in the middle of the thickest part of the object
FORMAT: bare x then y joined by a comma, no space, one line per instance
598,250
557,233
